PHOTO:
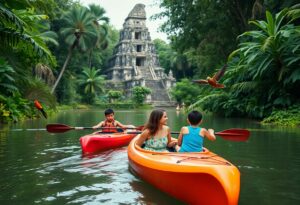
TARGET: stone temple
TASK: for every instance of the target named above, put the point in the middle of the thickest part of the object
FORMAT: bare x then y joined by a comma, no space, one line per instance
135,61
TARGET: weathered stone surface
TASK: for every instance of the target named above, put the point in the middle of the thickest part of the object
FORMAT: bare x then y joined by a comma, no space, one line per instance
136,63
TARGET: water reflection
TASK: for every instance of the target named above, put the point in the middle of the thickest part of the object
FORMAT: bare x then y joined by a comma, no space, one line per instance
149,194
39,167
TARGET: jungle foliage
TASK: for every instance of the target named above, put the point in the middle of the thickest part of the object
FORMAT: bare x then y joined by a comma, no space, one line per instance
139,94
25,36
259,40
56,50
264,72
39,39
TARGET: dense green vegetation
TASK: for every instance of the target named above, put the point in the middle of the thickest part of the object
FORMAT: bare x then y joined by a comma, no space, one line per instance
52,51
263,55
139,94
56,51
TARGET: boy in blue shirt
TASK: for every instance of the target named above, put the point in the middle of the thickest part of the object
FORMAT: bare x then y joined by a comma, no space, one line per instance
191,137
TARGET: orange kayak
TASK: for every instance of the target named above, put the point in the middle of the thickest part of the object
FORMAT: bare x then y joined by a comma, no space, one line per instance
99,142
194,178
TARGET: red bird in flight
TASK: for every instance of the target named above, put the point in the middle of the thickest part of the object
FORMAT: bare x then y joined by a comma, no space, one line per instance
40,108
214,80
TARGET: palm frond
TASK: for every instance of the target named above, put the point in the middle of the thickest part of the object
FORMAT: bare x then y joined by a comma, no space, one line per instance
268,42
246,86
260,24
294,14
49,36
9,18
203,99
270,24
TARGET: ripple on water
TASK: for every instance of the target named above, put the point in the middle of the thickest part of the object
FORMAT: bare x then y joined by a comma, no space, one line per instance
105,178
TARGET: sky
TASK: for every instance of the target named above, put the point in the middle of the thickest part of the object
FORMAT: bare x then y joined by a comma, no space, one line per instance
118,10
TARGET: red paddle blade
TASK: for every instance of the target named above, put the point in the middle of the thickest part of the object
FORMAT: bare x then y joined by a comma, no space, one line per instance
234,134
58,128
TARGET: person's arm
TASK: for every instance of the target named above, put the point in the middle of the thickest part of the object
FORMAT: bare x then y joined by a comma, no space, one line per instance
183,131
118,124
98,125
142,138
209,134
170,142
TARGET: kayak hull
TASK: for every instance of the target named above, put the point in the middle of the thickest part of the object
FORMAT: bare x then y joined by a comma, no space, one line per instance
93,143
194,178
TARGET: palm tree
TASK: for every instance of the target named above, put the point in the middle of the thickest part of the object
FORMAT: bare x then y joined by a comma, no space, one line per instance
78,32
100,22
91,82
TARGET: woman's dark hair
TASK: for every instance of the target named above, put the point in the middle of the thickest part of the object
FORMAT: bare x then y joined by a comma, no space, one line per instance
153,122
195,117
108,111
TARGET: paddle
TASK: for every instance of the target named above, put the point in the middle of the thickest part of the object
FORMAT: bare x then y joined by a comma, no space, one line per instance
60,128
38,129
233,134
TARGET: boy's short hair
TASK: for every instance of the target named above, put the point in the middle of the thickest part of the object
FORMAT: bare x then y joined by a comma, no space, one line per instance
108,111
195,117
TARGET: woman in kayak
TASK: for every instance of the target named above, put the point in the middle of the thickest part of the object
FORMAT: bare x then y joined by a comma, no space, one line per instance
191,137
156,135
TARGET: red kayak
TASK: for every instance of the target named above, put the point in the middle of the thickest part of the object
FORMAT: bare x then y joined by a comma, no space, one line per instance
103,141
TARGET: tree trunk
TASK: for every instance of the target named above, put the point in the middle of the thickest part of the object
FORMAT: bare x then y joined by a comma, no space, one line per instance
66,63
90,58
240,16
62,71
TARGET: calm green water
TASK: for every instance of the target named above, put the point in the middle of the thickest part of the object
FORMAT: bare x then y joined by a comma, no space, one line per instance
37,167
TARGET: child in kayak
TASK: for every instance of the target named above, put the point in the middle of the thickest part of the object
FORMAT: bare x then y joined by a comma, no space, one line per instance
191,137
110,124
156,135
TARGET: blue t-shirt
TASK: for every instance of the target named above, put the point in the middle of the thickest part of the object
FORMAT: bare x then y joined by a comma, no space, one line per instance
192,142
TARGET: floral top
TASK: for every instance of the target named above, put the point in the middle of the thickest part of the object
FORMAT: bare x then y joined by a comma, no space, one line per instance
158,145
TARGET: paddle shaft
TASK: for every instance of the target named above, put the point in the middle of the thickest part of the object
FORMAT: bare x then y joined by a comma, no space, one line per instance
233,134
60,128
38,129
177,133
100,128
216,133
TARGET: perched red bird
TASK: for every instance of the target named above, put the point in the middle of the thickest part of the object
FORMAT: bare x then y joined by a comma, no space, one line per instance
214,80
40,108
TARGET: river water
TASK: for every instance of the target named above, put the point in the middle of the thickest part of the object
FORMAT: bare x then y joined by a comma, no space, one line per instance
37,167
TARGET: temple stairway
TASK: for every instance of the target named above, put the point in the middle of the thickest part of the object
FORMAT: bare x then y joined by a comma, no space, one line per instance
159,93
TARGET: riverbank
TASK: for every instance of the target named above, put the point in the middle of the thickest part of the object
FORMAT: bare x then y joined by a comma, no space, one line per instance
286,118
105,106
289,117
